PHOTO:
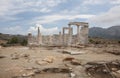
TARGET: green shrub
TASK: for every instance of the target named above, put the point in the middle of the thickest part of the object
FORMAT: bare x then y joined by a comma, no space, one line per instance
91,41
13,40
94,41
97,42
119,42
24,42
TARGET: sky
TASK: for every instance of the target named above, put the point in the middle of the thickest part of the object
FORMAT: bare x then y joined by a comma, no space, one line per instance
24,16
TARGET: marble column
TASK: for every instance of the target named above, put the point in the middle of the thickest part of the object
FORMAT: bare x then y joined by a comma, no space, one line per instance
63,36
39,37
78,34
84,34
30,38
70,35
60,38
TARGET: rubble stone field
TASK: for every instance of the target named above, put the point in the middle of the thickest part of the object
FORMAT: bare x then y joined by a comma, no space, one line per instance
91,61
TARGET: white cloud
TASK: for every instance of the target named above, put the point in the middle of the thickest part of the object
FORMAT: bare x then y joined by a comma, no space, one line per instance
99,2
58,17
9,8
13,30
112,17
93,2
4,6
44,31
32,29
115,2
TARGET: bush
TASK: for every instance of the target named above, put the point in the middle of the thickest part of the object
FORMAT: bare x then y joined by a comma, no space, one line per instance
94,41
13,40
97,42
119,42
24,42
91,41
18,41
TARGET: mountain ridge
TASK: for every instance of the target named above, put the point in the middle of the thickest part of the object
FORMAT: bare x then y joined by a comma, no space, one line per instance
112,32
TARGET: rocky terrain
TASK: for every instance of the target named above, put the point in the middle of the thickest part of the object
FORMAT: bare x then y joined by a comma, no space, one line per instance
90,61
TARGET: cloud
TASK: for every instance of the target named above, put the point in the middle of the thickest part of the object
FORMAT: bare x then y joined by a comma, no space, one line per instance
59,17
44,31
115,2
100,2
9,8
112,17
31,29
93,2
13,30
4,6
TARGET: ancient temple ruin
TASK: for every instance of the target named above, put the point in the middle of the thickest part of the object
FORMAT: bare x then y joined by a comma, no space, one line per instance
64,38
82,34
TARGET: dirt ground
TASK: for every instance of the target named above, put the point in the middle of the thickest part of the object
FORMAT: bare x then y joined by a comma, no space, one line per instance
22,62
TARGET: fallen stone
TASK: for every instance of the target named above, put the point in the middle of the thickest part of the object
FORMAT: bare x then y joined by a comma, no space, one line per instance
49,59
117,75
107,69
118,71
25,56
15,56
96,62
56,70
72,52
2,56
115,52
75,62
41,62
114,69
37,71
28,74
87,67
68,59
72,75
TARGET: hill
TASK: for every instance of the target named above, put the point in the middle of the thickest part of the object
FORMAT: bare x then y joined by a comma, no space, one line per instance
108,33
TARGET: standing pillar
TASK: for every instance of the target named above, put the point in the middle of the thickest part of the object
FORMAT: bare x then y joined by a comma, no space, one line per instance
70,35
30,40
84,34
39,37
63,36
87,33
78,34
60,38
